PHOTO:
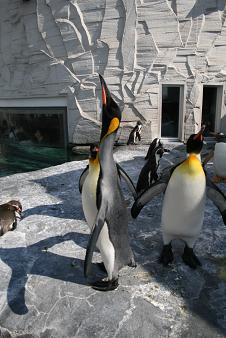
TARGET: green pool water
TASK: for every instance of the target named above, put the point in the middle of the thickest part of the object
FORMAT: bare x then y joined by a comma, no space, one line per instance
17,158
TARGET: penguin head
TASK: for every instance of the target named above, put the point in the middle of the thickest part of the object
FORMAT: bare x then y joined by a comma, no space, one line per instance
111,114
94,149
195,142
157,155
15,206
157,143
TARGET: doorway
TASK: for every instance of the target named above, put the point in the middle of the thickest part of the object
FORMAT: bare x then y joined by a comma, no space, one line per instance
171,106
211,108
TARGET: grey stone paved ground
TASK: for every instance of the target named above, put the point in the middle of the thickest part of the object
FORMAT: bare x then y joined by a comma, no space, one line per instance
43,292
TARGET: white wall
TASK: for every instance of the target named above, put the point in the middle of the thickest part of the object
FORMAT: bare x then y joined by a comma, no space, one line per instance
54,48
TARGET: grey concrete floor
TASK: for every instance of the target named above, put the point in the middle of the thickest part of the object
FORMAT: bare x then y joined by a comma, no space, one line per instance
43,292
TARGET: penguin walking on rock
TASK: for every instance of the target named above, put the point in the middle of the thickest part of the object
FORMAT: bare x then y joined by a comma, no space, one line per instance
149,172
103,203
185,190
9,212
135,134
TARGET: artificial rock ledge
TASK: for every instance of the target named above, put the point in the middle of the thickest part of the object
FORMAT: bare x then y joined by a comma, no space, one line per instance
43,293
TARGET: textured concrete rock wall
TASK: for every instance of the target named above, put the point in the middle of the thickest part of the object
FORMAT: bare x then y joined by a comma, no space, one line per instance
57,47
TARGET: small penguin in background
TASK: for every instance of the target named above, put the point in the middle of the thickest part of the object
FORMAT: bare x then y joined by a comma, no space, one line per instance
9,212
103,202
185,190
154,144
149,174
135,134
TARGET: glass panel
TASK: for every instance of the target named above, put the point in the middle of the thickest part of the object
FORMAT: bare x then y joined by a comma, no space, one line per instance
33,126
32,138
170,111
209,104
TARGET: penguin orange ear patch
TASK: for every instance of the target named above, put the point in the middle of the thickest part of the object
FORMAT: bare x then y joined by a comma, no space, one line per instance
113,125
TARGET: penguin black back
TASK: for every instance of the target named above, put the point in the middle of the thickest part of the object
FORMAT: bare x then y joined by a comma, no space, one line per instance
148,174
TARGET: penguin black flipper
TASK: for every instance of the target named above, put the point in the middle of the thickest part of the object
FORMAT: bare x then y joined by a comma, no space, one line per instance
217,197
82,178
155,189
127,179
99,223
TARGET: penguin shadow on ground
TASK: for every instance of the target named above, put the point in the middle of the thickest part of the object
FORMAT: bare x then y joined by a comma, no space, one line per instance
203,290
36,259
64,187
195,287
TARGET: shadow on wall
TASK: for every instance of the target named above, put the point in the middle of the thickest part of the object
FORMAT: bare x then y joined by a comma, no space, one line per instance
204,7
196,287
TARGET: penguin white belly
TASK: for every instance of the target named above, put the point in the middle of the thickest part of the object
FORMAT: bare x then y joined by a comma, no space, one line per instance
90,211
183,206
219,159
89,197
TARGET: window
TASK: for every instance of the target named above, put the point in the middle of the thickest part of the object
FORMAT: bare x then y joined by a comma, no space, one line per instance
211,108
43,126
171,101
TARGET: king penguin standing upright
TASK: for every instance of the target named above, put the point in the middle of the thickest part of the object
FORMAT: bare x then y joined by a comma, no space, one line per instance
185,190
103,203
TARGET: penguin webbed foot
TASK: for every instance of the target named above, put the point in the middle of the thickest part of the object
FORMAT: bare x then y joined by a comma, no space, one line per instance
132,263
190,258
103,285
166,256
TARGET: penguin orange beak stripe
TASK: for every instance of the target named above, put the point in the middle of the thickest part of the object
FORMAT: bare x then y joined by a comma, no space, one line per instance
104,96
114,124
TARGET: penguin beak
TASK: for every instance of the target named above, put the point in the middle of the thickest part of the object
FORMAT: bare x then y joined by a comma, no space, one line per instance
111,114
96,149
18,211
199,135
93,153
104,91
19,215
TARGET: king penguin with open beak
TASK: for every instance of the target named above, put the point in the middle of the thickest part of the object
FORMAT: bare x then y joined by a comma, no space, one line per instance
103,203
185,190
